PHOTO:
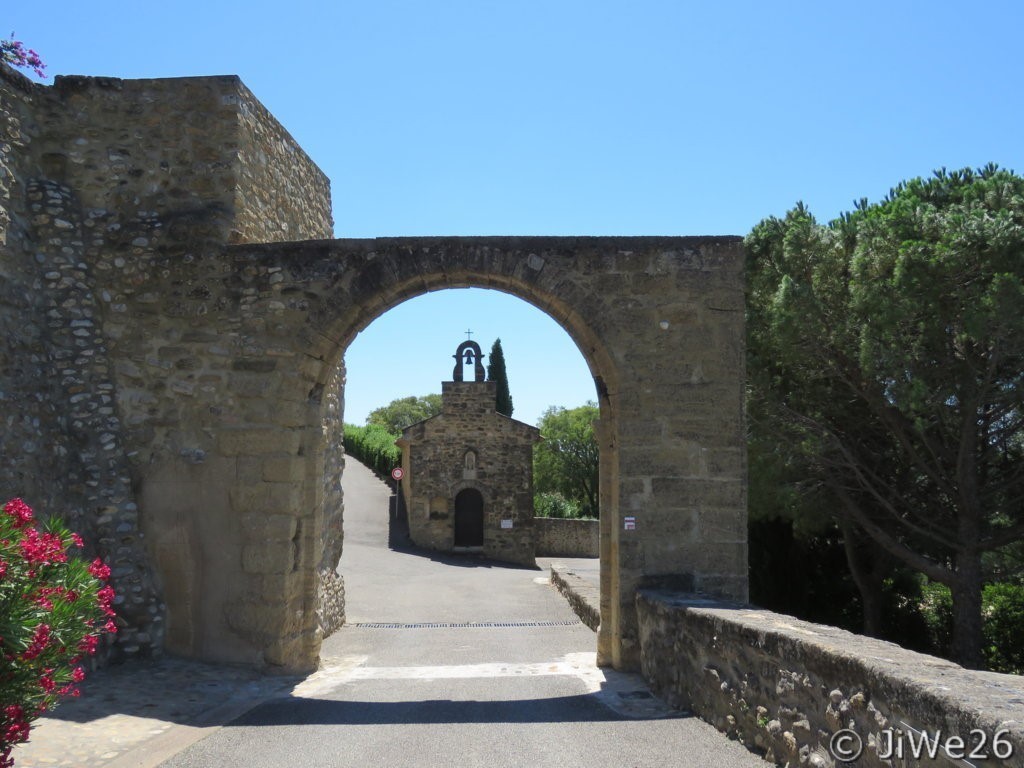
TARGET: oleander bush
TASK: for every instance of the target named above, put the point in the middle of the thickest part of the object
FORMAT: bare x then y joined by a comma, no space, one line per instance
54,608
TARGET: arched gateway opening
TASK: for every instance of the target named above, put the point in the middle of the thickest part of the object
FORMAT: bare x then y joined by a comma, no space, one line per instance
658,320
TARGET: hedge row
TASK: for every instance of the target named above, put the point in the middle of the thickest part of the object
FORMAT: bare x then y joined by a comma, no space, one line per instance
374,446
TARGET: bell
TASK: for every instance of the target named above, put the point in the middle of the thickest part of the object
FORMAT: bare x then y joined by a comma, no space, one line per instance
468,357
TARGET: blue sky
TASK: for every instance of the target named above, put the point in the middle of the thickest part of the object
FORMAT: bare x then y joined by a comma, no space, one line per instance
568,117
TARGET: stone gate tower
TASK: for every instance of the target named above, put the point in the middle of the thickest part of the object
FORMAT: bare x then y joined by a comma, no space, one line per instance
469,471
176,316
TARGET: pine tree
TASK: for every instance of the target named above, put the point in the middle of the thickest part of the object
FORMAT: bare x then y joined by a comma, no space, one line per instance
496,372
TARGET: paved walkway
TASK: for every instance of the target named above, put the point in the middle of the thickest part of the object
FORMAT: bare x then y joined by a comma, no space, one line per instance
142,713
545,687
457,661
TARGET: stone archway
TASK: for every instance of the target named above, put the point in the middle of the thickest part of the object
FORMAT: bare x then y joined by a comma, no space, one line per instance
659,321
189,394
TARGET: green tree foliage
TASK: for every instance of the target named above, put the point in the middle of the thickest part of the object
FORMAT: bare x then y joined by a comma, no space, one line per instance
374,446
1003,609
550,504
1003,617
885,353
496,372
566,462
401,413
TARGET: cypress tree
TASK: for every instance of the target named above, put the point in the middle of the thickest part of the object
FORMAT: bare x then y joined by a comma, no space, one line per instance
496,372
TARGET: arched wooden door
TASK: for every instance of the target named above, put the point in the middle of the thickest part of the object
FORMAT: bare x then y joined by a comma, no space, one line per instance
469,518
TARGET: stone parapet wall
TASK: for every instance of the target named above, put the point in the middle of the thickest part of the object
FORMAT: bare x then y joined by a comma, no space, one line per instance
567,538
582,595
783,686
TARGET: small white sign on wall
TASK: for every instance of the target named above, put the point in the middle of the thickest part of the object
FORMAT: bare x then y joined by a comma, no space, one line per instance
506,525
629,524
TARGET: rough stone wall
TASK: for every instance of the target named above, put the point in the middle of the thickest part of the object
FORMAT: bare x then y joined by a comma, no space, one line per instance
201,154
659,320
121,284
567,538
434,454
331,596
116,198
582,595
783,686
98,475
63,448
17,126
281,194
31,458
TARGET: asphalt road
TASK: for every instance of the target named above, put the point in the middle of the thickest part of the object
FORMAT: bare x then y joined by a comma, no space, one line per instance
461,662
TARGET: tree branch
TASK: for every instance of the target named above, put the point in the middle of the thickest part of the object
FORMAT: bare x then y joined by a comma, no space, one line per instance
872,484
1003,536
890,544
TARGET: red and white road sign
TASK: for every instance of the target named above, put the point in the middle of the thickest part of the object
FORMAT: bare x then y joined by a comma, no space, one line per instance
397,473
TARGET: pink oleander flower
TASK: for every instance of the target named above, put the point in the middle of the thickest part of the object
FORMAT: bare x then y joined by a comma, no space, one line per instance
40,640
57,608
42,548
99,569
104,598
19,511
89,644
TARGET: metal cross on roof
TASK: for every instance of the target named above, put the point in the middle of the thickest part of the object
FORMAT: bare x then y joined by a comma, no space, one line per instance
469,334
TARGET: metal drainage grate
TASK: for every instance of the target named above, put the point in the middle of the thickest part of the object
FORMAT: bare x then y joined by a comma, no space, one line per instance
466,624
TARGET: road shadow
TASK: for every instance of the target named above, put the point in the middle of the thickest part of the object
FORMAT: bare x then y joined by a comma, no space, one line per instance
296,710
193,693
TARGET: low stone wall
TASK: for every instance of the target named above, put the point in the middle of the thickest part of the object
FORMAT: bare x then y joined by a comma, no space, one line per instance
584,597
787,688
555,537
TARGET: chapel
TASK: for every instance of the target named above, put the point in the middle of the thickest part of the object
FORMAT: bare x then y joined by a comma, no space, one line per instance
468,481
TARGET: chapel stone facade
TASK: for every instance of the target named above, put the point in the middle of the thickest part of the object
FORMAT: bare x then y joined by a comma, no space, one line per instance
468,480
